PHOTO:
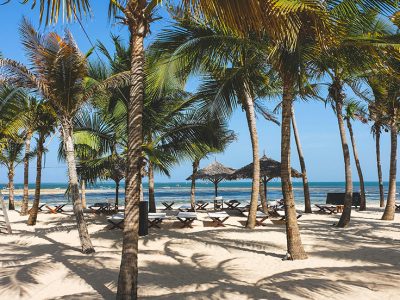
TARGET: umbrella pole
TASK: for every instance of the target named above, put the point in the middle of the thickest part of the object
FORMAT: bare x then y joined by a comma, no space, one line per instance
216,188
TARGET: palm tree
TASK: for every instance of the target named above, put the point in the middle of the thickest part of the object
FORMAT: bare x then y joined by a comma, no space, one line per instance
30,117
10,157
306,189
354,110
46,123
59,73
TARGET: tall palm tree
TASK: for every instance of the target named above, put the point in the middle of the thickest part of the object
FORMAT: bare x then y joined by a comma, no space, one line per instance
59,73
354,110
30,117
10,157
46,123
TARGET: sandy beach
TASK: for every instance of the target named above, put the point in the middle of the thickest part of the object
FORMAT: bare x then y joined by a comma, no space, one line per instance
359,262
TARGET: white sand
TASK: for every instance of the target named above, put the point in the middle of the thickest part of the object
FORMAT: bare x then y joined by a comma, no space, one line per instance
360,262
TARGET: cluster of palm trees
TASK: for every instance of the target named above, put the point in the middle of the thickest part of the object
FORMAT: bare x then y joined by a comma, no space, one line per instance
132,116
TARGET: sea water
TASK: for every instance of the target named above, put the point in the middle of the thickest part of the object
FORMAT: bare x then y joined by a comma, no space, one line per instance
180,191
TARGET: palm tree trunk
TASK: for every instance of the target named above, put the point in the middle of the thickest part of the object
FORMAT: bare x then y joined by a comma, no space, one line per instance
388,214
152,199
306,189
255,185
263,196
363,202
35,208
116,195
25,199
83,193
128,275
294,245
67,134
11,203
336,91
195,165
379,166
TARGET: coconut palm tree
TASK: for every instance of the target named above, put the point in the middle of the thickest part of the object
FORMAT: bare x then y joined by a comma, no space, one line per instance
45,126
30,117
10,157
354,110
58,71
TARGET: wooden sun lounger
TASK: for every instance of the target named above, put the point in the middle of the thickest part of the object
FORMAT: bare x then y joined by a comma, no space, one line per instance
201,205
154,219
116,221
328,209
56,209
186,208
397,206
260,218
218,218
186,218
282,215
101,207
232,204
168,204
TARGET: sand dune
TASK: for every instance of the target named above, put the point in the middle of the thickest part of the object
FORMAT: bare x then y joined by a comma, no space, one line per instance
360,262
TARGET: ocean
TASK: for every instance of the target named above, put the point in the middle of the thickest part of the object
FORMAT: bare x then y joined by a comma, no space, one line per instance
180,191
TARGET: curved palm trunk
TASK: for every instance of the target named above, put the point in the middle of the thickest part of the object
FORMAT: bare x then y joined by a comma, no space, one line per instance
338,96
195,165
11,173
363,202
67,134
294,245
379,166
388,214
35,208
255,185
25,199
83,193
263,195
127,280
306,189
152,199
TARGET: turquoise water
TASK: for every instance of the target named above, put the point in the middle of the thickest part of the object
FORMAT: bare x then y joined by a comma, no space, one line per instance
180,191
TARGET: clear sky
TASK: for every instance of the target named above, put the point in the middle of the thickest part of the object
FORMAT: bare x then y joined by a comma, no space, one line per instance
317,123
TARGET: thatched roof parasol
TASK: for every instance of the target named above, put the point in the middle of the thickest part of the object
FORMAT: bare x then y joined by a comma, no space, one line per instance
269,168
215,172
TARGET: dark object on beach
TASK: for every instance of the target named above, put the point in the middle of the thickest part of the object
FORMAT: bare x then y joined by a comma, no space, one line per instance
338,199
143,218
215,172
6,223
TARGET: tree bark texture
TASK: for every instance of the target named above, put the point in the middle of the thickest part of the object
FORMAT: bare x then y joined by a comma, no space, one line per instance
195,166
388,214
152,199
128,276
294,245
67,134
379,167
11,173
35,207
83,193
306,188
25,198
363,202
248,104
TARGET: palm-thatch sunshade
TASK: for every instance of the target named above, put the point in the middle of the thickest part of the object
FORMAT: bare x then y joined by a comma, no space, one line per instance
215,172
269,169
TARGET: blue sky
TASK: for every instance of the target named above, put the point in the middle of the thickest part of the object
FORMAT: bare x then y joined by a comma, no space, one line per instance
317,123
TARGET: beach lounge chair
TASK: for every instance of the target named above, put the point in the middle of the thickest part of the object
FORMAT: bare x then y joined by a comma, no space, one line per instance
260,217
168,204
40,207
116,221
338,199
328,209
397,206
201,205
218,203
282,215
100,207
154,219
56,209
186,207
218,218
232,204
186,218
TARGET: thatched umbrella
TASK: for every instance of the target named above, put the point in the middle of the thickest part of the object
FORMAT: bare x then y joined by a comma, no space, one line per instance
215,172
269,169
